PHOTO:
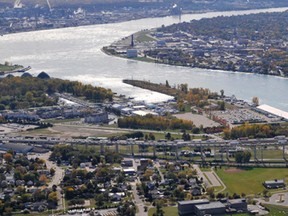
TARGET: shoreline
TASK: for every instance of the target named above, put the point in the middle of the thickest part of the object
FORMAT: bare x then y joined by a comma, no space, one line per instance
144,17
148,50
213,70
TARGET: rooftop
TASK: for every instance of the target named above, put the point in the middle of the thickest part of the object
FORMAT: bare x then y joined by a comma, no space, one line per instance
189,202
210,206
19,148
276,181
235,201
273,111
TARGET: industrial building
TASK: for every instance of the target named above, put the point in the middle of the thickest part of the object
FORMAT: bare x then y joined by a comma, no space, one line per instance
203,207
97,118
18,148
266,109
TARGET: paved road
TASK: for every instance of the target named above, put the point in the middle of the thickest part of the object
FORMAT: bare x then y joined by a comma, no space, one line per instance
138,201
157,165
277,199
56,179
59,172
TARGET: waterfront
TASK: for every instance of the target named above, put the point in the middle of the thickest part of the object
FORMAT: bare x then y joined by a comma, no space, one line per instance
75,54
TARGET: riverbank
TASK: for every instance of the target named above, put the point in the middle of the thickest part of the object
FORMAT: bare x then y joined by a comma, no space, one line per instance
10,69
216,48
74,54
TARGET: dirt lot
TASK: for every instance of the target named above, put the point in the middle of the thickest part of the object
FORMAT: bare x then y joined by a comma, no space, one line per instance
72,130
233,170
198,119
67,131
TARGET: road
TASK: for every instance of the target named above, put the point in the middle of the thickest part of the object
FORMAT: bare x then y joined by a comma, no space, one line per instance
56,179
157,165
137,200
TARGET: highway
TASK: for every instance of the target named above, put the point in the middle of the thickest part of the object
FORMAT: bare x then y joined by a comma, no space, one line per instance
36,140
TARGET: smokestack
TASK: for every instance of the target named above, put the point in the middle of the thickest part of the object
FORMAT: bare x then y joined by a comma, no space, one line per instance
132,40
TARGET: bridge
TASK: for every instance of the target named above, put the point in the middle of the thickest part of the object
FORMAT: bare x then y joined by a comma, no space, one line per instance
220,150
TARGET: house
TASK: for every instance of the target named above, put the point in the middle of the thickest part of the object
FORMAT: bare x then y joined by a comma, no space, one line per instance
129,171
127,163
132,53
196,191
274,184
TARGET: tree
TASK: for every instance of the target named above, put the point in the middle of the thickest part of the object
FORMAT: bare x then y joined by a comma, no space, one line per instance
99,198
8,157
242,157
255,101
52,197
167,84
222,93
221,105
168,136
126,209
151,136
159,210
43,179
2,107
52,171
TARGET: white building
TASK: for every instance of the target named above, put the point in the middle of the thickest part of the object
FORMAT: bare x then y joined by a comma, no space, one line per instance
97,118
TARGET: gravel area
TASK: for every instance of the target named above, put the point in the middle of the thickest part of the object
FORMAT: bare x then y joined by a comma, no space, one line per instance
198,119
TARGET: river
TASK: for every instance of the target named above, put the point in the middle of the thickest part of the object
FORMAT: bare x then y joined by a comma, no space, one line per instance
75,54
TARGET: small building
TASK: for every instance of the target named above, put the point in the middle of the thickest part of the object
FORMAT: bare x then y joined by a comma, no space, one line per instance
143,113
97,118
126,111
213,208
187,208
130,171
127,163
132,53
274,184
238,204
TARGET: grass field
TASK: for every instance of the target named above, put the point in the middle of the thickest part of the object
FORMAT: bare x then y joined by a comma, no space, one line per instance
168,211
9,67
144,38
277,210
249,181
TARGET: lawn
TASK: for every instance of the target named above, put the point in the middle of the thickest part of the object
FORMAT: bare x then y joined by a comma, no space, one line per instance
168,211
7,67
277,210
249,181
144,37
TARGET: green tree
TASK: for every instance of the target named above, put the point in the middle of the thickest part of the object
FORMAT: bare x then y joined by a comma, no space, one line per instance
243,157
222,93
99,198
